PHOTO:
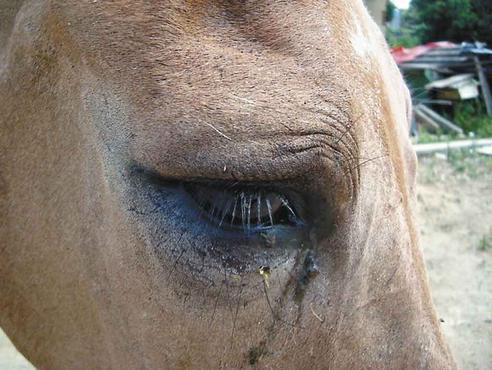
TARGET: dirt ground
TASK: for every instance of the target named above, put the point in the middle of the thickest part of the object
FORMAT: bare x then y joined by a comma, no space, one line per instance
455,218
10,359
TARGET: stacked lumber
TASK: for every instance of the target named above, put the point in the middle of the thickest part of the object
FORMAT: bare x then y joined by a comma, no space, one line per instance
456,72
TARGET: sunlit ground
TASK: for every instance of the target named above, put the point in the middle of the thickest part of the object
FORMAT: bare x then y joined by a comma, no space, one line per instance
10,359
454,212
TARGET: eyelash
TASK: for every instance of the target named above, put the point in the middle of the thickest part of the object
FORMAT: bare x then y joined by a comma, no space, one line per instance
249,209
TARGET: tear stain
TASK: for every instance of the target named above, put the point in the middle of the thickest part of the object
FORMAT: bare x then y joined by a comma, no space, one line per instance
269,239
307,273
303,273
256,352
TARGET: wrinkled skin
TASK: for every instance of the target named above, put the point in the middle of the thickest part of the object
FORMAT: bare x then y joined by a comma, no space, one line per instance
108,107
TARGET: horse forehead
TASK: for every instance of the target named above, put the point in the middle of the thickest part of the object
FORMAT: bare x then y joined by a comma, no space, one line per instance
251,27
180,42
229,60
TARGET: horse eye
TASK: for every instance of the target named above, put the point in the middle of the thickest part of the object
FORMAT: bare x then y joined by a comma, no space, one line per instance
249,209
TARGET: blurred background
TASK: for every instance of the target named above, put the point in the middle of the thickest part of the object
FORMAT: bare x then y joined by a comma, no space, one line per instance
441,47
442,50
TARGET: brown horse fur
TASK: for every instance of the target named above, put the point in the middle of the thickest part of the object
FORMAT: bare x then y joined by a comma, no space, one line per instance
102,268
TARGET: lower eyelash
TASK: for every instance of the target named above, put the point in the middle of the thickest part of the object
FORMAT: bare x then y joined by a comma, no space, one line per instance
248,209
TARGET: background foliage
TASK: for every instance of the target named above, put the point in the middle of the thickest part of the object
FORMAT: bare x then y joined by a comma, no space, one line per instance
437,20
454,20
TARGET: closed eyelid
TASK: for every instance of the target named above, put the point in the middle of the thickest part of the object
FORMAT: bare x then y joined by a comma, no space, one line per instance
241,205
243,208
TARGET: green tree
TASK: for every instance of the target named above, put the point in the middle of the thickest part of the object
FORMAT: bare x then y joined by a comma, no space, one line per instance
454,20
388,12
409,33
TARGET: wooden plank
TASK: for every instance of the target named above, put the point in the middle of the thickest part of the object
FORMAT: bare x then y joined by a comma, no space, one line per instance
435,102
486,150
440,120
423,149
453,82
487,96
427,121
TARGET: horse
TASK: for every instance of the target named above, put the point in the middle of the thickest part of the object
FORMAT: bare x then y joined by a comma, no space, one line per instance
208,184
